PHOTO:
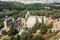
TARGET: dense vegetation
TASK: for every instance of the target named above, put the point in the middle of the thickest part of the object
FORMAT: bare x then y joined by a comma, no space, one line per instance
21,6
19,9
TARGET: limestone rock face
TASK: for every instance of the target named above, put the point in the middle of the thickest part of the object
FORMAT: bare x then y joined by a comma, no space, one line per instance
8,23
56,25
32,20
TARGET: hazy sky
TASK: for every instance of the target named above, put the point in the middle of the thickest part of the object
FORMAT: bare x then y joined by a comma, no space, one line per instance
33,1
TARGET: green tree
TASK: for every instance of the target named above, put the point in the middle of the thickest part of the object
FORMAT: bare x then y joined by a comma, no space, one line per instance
12,31
37,37
45,28
23,35
18,37
4,32
13,38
